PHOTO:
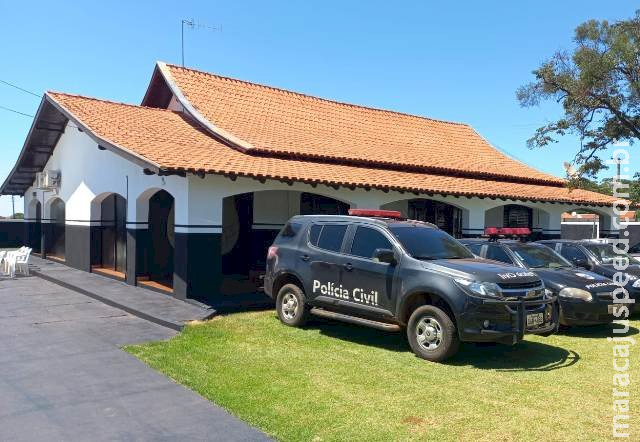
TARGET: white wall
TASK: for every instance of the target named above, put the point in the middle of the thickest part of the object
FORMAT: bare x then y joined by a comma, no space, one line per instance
87,172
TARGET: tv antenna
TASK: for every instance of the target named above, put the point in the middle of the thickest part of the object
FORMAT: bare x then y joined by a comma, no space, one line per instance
192,24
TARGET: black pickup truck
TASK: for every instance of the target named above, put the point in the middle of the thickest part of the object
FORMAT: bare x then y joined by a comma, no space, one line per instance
379,270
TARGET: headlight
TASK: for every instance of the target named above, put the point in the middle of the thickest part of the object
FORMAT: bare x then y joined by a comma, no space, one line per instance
636,284
483,289
574,293
548,293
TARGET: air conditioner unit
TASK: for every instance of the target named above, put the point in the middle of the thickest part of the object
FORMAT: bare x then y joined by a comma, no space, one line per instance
48,180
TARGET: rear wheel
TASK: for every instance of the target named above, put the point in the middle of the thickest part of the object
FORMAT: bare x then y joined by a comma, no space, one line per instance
432,334
291,306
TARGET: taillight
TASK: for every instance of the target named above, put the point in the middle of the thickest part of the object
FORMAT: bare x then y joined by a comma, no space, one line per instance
273,252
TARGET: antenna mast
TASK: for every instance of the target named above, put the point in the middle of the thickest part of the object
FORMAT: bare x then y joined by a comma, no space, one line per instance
191,23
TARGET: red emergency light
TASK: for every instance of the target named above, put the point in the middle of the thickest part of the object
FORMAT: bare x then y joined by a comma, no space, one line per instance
376,213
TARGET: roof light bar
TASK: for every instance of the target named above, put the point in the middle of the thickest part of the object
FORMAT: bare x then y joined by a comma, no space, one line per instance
376,213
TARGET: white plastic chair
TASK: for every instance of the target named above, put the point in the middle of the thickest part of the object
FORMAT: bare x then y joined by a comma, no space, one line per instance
10,264
3,255
21,263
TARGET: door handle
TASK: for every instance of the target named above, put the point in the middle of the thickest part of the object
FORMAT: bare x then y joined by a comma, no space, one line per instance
305,257
348,266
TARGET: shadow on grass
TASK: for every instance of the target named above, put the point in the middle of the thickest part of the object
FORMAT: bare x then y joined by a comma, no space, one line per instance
597,331
525,356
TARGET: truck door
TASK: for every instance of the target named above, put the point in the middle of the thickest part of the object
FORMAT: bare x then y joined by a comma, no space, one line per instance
370,282
325,262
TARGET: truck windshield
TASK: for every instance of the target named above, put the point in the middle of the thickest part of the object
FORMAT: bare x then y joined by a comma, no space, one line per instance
539,257
428,243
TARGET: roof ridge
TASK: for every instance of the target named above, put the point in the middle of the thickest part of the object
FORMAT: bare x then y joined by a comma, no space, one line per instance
103,100
314,97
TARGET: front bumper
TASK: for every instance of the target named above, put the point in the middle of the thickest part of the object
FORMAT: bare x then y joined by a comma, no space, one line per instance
507,319
589,313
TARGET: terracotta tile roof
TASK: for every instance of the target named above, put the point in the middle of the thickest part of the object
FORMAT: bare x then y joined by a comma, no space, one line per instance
175,142
288,123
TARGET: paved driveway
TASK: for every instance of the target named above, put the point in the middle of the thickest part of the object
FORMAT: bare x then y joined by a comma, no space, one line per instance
64,377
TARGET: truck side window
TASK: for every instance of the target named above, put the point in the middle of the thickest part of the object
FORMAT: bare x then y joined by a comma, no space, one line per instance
367,240
497,254
331,237
314,234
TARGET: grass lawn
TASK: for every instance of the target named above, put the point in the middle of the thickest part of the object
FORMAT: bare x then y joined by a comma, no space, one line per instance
332,381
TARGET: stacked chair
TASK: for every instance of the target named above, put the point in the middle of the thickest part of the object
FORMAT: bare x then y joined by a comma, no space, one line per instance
15,261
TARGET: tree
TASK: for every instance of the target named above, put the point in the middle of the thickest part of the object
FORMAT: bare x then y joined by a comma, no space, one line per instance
598,85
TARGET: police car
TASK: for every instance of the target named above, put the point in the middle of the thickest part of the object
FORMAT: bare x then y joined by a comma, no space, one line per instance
374,268
585,297
599,258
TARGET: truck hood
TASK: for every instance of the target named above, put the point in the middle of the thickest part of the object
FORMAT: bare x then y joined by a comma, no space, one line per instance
557,279
482,270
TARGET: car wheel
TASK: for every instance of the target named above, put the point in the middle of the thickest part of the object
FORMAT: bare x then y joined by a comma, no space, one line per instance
432,334
291,306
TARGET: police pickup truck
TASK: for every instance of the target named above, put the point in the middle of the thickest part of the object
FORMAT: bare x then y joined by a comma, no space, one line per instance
585,297
376,269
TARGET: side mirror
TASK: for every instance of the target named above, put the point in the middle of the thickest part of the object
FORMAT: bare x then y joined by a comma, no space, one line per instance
582,263
386,256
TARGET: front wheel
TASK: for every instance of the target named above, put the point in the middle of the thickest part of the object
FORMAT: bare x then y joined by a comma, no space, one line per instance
432,334
291,306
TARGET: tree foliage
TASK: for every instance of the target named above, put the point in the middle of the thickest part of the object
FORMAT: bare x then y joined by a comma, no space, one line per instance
598,85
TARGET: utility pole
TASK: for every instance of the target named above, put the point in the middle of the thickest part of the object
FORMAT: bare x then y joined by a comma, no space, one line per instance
191,23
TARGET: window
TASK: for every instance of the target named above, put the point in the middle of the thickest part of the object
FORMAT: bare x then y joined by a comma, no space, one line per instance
290,230
475,248
496,253
314,234
366,241
428,243
537,256
573,254
331,236
635,249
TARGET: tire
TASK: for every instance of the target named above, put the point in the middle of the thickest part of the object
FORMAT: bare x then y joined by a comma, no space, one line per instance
291,306
439,334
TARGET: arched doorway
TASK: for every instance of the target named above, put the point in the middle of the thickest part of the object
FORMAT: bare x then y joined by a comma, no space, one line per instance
161,241
443,215
515,215
57,237
250,223
34,216
109,238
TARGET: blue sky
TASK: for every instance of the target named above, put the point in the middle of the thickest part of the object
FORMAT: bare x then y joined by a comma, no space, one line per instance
458,61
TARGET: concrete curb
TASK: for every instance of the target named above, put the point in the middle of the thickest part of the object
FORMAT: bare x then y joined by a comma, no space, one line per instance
109,302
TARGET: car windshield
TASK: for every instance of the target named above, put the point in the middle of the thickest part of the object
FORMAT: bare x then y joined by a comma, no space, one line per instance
539,257
606,254
429,243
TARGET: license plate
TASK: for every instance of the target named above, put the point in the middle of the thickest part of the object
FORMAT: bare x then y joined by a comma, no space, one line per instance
535,319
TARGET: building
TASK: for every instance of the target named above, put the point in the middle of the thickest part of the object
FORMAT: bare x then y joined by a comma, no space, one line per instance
185,192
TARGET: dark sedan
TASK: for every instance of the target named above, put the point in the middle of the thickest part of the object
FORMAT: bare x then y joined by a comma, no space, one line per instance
585,297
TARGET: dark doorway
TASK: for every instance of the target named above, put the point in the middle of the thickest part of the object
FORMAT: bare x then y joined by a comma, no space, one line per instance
56,244
35,225
112,236
443,215
237,229
517,216
161,239
311,204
